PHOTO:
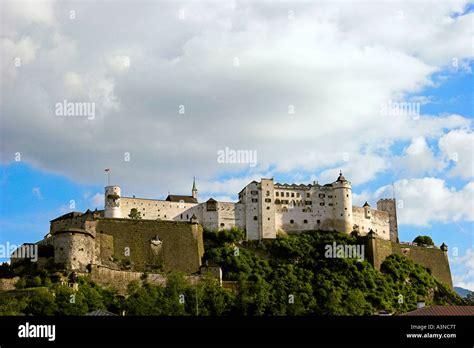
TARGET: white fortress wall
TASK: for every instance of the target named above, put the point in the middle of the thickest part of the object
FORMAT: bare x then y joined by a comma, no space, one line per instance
377,220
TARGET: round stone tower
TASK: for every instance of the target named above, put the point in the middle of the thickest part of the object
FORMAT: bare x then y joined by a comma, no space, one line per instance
342,192
112,202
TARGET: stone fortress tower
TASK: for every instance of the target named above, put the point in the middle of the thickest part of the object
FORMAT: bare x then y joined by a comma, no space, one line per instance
112,202
342,192
390,205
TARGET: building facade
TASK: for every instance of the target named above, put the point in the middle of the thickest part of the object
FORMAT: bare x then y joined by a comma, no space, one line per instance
264,208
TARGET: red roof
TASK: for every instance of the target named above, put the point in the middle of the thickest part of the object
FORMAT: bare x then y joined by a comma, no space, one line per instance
444,311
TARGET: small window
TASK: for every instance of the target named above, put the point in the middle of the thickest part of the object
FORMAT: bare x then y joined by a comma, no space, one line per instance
347,195
268,208
268,219
318,221
254,200
292,221
321,204
222,224
305,221
292,194
307,195
255,218
277,194
297,194
268,193
268,200
287,194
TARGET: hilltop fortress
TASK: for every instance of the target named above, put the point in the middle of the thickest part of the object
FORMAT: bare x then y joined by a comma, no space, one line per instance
265,208
115,246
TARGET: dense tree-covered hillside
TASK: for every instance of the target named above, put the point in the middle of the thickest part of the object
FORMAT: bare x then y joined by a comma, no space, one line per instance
287,276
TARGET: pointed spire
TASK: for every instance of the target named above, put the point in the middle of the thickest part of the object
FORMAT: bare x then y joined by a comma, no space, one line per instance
194,190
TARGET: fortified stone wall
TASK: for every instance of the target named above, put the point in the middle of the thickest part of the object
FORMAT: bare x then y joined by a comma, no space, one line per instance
157,209
74,248
178,244
434,259
120,279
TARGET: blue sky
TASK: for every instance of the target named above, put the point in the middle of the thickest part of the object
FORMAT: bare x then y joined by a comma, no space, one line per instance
327,62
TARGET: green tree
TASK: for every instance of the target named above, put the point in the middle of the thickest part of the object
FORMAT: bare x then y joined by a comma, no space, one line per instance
69,301
36,281
135,214
424,241
21,283
12,306
41,302
92,295
213,299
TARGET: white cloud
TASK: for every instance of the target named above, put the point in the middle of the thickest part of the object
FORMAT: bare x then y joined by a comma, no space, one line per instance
418,158
97,201
171,61
356,168
429,200
458,147
120,63
29,12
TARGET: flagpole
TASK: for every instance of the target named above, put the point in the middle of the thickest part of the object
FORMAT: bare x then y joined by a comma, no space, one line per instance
108,176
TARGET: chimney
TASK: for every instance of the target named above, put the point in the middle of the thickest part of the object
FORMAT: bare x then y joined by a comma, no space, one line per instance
420,304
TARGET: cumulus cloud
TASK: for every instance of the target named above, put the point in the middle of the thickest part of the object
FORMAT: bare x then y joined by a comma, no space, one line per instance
357,168
428,200
418,158
296,94
458,147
